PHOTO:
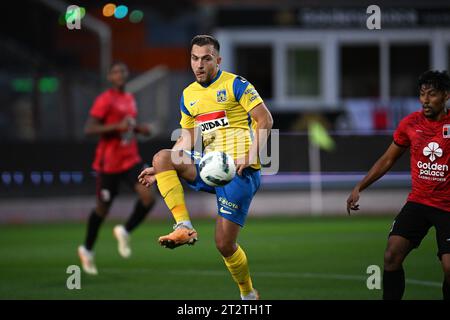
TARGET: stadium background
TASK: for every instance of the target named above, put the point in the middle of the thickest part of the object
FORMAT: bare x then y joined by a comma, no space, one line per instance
311,61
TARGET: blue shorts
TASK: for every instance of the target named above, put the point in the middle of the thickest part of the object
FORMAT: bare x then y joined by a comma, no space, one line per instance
233,199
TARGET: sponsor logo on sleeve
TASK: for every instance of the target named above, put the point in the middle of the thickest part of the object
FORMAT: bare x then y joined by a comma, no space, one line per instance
252,93
446,131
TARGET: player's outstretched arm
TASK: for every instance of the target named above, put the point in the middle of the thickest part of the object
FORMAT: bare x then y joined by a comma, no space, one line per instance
379,169
144,129
94,126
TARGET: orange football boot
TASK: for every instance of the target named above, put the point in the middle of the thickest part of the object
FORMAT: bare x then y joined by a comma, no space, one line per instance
180,236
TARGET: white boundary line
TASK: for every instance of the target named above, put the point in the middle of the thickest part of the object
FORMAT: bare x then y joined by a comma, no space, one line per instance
292,275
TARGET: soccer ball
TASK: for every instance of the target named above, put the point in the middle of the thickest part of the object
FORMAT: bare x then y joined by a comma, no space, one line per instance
217,168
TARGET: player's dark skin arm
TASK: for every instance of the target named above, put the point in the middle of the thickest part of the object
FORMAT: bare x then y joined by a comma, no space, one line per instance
379,169
95,127
143,129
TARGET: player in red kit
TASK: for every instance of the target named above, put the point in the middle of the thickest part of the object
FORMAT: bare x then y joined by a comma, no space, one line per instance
427,134
113,118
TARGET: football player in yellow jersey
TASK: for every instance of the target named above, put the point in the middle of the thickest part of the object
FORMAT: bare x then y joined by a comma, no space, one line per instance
232,118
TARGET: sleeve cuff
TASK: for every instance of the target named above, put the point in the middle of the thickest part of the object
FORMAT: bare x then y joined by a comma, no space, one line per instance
400,145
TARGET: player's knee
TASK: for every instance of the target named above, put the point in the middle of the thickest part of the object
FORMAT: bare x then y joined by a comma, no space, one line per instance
161,158
147,200
145,195
102,210
226,248
446,269
392,259
447,277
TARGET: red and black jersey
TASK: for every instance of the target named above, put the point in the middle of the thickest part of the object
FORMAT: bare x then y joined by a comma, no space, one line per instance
114,153
429,143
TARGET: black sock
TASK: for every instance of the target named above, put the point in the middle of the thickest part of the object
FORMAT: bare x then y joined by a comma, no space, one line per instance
446,290
139,213
393,284
93,226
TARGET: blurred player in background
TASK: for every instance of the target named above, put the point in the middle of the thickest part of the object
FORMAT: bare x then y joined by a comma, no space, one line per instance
113,118
427,134
215,95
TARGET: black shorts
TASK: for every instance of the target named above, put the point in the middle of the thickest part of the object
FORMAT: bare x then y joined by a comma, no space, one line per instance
414,221
108,183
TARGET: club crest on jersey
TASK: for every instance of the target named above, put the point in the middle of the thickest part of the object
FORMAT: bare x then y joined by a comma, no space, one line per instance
212,121
221,95
446,131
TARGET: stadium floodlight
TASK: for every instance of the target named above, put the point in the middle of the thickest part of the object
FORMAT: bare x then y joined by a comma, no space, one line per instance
121,12
109,9
136,16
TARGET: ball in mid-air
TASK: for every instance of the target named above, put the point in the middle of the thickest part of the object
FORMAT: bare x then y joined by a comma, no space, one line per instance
217,168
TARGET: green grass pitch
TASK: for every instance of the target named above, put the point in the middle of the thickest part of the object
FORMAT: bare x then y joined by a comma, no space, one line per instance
290,258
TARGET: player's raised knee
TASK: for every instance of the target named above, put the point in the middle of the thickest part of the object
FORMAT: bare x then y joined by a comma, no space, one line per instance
162,158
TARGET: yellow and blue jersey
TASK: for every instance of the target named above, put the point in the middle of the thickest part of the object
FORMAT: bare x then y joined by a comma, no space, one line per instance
221,111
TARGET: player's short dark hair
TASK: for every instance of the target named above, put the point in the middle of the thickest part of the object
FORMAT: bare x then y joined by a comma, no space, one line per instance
117,63
203,40
439,80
